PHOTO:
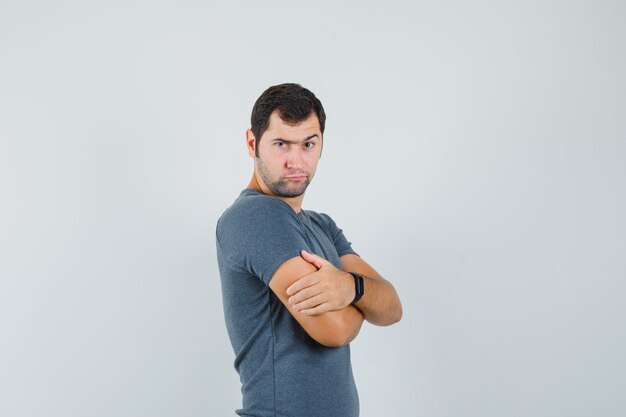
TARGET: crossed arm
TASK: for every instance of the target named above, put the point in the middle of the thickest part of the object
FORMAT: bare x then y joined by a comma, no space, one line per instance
319,297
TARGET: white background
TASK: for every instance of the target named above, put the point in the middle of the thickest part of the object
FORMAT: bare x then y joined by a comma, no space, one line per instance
474,154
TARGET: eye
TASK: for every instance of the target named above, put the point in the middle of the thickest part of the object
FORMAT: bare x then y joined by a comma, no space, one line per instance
279,143
309,145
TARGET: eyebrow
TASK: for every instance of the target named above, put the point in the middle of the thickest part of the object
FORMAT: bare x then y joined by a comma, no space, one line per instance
295,141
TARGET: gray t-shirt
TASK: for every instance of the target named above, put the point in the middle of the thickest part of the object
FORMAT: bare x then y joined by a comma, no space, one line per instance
283,371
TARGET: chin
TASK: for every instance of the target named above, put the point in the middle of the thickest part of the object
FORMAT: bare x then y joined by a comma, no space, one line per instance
287,192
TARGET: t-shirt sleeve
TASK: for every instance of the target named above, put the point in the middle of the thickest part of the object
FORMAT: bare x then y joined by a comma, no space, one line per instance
259,235
342,245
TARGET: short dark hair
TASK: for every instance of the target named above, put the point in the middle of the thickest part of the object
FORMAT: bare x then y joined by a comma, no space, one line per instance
294,104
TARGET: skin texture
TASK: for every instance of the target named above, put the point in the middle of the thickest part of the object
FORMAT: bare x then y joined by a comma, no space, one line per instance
332,329
288,157
316,293
329,289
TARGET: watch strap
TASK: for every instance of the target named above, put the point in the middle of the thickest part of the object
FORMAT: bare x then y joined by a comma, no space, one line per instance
359,287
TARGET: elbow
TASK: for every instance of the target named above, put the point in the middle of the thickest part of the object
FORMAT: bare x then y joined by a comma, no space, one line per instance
334,343
333,339
396,311
392,317
398,315
341,333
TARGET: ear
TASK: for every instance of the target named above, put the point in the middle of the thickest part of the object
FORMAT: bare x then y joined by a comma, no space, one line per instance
250,142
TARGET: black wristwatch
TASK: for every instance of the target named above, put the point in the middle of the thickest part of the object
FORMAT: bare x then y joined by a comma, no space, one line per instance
359,287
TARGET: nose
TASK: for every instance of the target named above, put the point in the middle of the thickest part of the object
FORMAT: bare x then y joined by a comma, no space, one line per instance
295,159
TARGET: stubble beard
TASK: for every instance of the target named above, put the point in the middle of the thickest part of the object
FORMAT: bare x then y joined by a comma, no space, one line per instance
281,188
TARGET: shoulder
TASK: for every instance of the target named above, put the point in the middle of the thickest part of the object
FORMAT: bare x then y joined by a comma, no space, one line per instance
322,219
257,233
318,216
254,208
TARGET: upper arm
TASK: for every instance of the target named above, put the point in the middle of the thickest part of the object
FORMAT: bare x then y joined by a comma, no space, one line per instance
333,328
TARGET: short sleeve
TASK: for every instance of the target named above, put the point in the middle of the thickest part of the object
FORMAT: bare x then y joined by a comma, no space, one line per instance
342,245
259,234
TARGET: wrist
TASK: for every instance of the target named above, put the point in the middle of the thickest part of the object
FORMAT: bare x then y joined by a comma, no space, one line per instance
359,287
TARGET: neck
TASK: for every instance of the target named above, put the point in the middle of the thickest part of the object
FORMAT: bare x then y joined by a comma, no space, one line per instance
294,202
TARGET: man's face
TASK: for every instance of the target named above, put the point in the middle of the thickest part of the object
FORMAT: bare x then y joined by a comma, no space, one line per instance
288,155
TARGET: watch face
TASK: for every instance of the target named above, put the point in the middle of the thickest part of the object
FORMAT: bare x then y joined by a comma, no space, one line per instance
360,288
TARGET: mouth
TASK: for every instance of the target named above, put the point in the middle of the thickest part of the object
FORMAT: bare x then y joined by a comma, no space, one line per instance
295,177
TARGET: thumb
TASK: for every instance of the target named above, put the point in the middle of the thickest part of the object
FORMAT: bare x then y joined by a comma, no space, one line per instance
311,258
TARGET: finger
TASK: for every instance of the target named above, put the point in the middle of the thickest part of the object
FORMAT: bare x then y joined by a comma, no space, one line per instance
304,282
315,311
305,294
311,258
311,302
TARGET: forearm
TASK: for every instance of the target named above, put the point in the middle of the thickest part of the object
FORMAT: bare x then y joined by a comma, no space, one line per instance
351,322
332,328
380,303
336,328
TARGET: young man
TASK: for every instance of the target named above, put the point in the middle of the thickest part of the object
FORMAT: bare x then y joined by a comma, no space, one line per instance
294,292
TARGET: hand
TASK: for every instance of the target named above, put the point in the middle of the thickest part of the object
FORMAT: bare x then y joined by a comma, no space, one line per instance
325,290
